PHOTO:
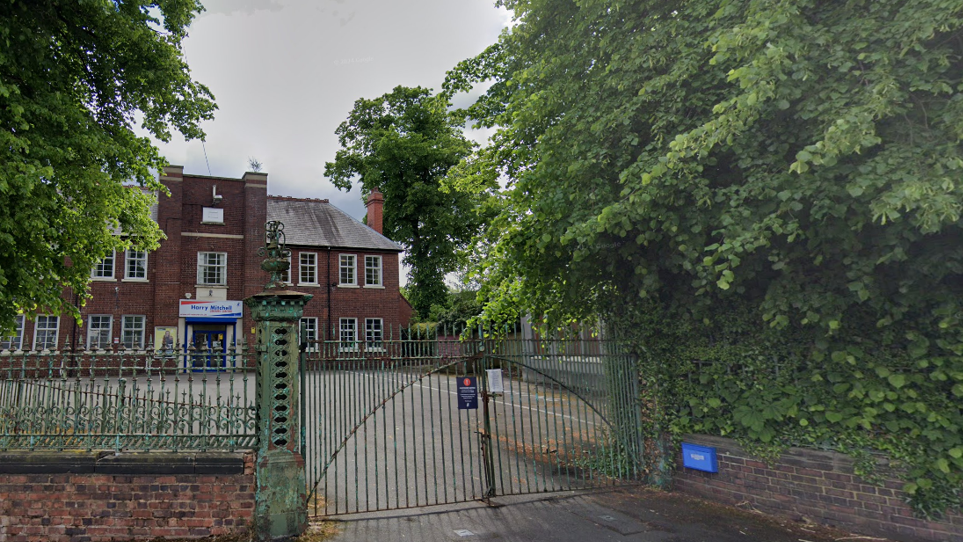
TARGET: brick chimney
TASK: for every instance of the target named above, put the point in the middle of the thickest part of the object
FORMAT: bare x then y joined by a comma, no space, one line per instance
375,205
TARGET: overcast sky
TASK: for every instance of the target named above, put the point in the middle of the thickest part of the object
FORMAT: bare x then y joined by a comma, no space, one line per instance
285,74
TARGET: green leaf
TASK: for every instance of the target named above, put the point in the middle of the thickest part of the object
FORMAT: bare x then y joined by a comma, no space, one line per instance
74,82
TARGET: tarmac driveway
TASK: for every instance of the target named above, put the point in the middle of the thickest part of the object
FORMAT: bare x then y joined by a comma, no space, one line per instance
626,514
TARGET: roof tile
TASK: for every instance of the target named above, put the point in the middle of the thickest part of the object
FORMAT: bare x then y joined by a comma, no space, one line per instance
317,223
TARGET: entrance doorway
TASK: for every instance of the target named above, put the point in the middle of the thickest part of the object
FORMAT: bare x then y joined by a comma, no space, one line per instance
207,349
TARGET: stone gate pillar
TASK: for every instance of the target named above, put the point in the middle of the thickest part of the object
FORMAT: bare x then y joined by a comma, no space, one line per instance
281,501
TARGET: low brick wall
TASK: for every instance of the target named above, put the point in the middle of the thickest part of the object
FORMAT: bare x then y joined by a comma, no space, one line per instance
92,497
810,485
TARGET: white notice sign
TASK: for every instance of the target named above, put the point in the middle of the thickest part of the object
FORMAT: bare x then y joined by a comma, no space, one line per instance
495,381
212,215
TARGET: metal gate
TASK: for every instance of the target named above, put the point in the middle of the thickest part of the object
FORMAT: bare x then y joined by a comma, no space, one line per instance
385,428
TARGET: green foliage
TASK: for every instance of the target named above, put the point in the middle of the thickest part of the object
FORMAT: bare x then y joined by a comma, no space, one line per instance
726,372
788,166
74,76
403,143
611,458
459,309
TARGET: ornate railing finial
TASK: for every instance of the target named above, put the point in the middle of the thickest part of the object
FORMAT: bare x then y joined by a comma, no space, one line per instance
275,254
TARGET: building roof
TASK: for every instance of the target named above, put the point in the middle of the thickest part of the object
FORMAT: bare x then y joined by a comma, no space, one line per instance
317,223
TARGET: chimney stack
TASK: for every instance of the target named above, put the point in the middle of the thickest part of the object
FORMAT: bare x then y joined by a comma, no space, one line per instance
375,206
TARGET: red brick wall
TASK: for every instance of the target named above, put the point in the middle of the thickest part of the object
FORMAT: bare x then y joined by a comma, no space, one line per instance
255,216
101,507
375,207
406,311
172,269
812,485
351,302
164,265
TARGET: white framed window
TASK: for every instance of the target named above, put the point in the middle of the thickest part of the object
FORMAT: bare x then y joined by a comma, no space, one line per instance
104,269
372,271
348,275
374,333
132,332
212,268
348,333
98,331
15,341
308,268
309,333
135,265
45,332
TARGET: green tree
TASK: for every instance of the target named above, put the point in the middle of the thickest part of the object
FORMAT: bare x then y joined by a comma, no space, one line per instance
797,159
403,143
75,76
460,307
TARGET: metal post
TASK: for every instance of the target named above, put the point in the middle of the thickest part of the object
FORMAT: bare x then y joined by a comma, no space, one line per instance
280,500
486,439
622,383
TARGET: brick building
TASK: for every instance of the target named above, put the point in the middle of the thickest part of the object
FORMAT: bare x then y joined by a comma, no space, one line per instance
190,291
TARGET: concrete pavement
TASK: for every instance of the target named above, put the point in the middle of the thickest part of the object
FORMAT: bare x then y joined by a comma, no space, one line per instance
626,514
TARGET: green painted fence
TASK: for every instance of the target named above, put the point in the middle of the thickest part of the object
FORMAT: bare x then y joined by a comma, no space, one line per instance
127,400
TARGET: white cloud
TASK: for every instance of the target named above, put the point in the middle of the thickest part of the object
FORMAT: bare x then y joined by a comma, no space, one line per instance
286,73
